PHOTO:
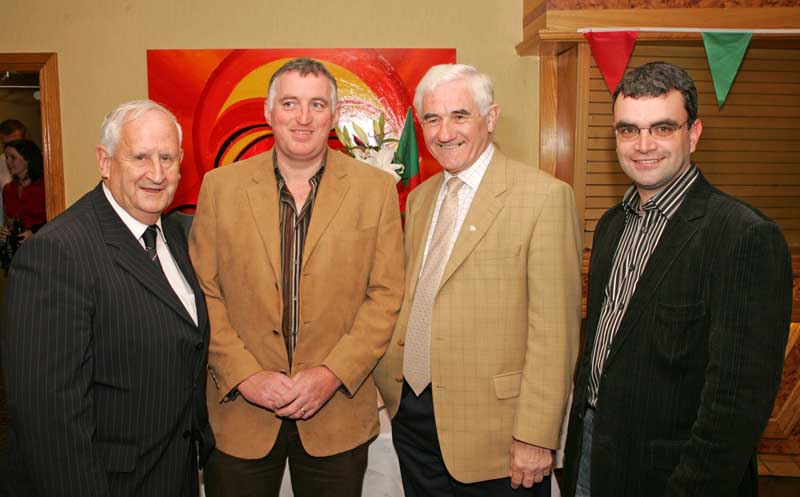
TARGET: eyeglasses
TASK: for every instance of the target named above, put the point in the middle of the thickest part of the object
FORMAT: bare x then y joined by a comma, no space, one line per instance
627,132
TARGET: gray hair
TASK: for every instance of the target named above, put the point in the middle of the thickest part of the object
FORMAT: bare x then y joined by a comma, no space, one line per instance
111,129
655,79
478,83
304,66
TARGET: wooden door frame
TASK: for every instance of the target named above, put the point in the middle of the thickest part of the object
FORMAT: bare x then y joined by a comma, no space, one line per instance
46,65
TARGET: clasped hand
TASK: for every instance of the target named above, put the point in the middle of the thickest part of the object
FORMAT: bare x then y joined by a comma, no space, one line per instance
298,397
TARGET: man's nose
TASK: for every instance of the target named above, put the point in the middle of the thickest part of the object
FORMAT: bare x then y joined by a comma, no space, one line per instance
304,116
156,173
446,131
645,141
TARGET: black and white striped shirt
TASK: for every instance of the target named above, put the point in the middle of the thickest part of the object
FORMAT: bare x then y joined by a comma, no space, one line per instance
643,229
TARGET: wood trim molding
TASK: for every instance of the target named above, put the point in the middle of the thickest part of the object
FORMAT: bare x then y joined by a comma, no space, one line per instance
46,65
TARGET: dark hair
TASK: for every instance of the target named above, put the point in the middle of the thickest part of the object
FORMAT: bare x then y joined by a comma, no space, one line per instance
32,155
304,66
659,78
9,126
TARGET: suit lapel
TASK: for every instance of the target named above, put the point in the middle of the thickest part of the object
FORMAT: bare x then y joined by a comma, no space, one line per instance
178,250
679,230
486,205
263,197
131,257
331,193
424,206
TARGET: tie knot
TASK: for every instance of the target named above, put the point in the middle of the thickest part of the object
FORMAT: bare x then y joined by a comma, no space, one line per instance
149,236
454,184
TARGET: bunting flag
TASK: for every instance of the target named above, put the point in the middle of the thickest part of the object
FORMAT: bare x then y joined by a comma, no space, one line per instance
725,52
612,51
407,152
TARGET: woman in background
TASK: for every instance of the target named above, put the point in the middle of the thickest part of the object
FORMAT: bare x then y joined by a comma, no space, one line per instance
24,197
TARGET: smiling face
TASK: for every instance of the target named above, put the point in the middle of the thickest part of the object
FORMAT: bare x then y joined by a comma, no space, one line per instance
652,163
455,132
144,170
301,117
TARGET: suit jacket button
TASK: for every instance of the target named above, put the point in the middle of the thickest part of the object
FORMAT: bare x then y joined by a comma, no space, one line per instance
198,346
399,378
187,434
401,342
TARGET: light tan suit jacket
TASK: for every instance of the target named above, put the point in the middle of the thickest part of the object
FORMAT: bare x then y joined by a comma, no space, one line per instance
505,326
350,293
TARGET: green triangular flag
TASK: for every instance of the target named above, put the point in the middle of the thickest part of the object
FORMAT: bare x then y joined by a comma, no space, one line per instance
407,152
725,52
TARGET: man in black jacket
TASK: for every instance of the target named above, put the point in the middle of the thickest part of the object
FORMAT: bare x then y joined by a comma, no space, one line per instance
688,313
106,332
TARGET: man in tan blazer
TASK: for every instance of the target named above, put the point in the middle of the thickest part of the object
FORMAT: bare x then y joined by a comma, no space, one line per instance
478,372
298,252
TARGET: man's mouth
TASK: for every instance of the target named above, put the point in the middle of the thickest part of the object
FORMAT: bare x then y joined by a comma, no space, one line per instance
449,146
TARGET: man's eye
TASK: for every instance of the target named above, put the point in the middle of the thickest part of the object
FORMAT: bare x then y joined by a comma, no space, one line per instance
664,129
139,157
287,105
627,131
166,158
460,118
319,105
431,121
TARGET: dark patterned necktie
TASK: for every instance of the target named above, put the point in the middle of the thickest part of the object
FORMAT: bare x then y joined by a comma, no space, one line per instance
149,237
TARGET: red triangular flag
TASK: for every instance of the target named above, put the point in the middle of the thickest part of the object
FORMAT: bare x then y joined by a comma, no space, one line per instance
612,51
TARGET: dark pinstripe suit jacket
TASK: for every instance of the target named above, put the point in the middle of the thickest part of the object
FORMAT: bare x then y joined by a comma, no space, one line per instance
105,369
692,373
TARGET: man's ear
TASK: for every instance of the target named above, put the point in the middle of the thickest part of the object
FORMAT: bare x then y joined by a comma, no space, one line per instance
492,116
103,161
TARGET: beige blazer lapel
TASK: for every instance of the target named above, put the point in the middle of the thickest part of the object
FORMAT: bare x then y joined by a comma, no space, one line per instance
486,205
332,189
423,213
263,197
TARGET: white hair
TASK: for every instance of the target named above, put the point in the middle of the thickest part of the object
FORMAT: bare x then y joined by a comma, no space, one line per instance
479,84
111,129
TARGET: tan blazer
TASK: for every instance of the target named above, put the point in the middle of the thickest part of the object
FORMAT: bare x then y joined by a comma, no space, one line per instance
350,293
505,326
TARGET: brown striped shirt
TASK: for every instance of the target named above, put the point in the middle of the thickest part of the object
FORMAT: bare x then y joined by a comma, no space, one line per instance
294,227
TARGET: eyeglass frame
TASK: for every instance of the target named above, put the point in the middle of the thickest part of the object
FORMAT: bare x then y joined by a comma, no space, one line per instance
615,130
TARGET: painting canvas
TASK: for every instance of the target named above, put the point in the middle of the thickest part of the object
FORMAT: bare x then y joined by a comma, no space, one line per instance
218,98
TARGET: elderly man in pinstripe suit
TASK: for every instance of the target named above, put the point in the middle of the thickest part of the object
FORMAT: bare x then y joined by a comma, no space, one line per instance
688,313
106,332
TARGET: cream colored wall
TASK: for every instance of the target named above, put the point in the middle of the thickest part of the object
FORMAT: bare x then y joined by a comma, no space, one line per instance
101,49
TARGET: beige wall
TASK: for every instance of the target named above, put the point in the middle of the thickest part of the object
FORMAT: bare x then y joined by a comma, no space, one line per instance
101,50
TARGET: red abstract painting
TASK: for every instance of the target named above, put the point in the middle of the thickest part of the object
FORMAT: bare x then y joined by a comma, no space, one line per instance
218,97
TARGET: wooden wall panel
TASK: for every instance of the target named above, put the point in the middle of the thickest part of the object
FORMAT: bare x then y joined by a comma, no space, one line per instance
749,147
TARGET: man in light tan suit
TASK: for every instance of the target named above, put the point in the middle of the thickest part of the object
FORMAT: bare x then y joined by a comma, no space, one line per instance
298,251
478,372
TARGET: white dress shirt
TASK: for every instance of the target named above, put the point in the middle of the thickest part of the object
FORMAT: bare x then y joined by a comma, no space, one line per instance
472,177
174,275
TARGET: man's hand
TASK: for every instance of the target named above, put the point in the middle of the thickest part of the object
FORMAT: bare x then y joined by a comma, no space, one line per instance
4,232
312,389
268,389
24,235
529,464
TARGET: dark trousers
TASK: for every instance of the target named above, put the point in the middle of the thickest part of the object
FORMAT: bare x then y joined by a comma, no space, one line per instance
421,465
339,475
583,487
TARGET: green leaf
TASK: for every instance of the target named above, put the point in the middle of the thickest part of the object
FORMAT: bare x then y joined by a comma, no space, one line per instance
341,134
382,128
361,134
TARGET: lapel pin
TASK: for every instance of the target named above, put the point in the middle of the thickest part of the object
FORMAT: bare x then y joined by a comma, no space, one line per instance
472,227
